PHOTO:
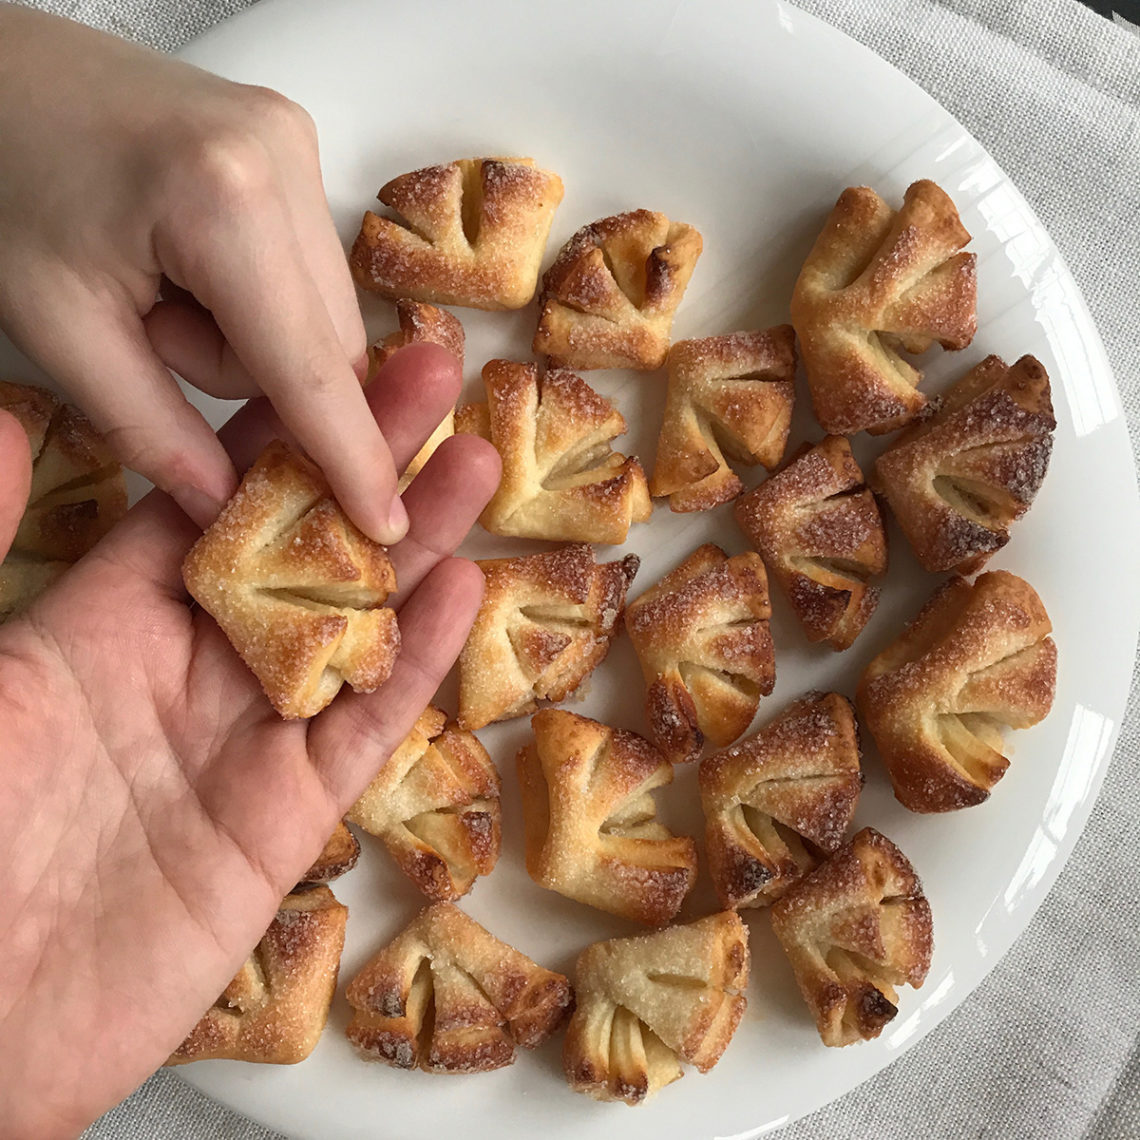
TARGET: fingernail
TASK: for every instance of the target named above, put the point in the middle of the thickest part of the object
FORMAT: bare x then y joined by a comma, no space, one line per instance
397,520
202,508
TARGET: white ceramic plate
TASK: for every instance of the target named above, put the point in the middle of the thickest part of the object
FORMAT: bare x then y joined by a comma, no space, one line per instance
745,119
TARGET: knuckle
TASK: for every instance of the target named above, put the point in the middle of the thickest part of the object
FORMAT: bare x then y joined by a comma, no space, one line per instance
233,166
269,110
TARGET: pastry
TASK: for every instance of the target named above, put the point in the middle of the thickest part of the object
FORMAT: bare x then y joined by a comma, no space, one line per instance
338,856
296,588
701,635
419,324
275,1008
876,284
591,824
609,298
647,1004
727,395
821,536
958,480
435,804
448,997
977,657
469,233
77,494
854,929
561,480
545,623
781,800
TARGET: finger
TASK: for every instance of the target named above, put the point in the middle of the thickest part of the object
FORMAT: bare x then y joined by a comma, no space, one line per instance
15,478
103,358
256,285
189,342
443,502
352,737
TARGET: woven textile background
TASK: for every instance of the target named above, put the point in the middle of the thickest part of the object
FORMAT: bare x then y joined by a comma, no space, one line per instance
1047,1047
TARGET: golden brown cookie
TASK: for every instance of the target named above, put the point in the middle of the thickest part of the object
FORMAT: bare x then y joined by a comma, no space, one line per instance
876,284
781,800
959,479
274,1010
701,635
296,588
435,804
854,929
609,298
469,233
561,480
821,536
977,657
77,494
446,996
419,324
338,857
545,623
728,395
647,1004
591,824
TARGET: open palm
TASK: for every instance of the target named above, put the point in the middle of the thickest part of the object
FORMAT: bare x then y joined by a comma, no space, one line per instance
153,808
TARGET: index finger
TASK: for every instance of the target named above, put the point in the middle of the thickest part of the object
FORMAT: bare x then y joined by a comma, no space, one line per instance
252,277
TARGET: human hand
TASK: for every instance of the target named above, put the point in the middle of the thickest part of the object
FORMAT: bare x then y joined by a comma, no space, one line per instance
122,169
154,809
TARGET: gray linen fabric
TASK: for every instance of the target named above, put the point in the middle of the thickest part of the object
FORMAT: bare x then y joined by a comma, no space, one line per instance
1047,1048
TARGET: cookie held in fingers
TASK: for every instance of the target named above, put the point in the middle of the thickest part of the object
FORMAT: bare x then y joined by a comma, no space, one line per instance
446,996
274,1010
820,533
701,635
420,323
337,857
878,283
296,587
545,623
435,806
781,800
977,657
609,299
854,929
592,832
958,480
77,494
471,232
561,479
729,397
648,1004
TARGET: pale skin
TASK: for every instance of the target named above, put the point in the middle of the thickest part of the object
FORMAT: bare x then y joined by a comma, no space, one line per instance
153,807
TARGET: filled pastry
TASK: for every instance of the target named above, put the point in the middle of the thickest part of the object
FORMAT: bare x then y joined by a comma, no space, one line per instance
701,635
470,233
296,588
854,929
727,396
978,657
419,324
337,858
959,479
591,824
781,800
821,536
435,804
645,1005
77,494
561,480
276,1006
878,283
545,623
609,298
446,996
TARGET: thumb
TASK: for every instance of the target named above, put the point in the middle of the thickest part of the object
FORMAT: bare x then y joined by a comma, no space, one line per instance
15,478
